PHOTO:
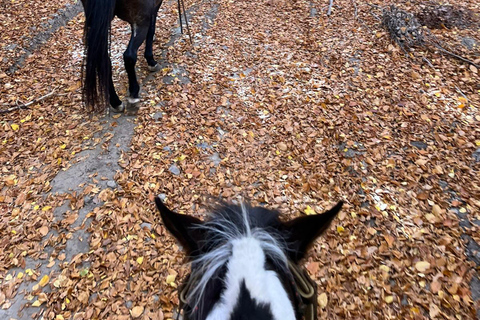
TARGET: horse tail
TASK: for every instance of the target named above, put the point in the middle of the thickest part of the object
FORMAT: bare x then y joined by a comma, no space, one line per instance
97,70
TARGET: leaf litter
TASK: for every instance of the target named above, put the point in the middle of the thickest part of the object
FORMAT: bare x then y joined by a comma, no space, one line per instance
298,111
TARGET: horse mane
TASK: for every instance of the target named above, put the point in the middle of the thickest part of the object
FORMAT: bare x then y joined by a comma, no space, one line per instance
226,223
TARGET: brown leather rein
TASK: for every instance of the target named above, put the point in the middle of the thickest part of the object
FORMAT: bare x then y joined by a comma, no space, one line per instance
305,286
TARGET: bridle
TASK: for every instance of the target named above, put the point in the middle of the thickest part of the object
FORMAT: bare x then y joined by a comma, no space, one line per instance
306,291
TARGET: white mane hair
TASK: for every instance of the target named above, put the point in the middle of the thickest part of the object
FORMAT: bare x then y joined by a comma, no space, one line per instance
223,232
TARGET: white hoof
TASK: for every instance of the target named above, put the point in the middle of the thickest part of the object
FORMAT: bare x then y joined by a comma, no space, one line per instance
154,68
118,109
133,100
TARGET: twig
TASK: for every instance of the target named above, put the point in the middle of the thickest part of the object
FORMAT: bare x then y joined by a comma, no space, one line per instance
356,10
428,62
26,105
460,91
375,16
329,12
456,56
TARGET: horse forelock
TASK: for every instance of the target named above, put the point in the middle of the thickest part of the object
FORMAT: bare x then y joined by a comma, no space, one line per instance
227,226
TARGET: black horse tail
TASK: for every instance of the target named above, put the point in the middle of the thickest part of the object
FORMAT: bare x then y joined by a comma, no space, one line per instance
98,16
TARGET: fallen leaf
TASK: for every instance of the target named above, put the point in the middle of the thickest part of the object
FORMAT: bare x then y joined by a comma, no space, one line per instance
36,303
435,286
433,311
136,311
43,230
384,268
282,146
44,281
322,300
422,266
309,211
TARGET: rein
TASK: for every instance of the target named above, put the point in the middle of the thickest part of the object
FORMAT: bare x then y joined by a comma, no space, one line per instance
181,7
305,286
307,289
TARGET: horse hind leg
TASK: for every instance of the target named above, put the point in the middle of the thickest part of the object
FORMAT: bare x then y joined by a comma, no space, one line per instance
115,103
139,34
153,66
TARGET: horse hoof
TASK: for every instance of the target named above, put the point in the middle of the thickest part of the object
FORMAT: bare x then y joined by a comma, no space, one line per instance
154,68
118,109
133,100
132,106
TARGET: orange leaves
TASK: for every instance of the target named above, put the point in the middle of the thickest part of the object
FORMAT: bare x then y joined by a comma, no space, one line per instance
311,122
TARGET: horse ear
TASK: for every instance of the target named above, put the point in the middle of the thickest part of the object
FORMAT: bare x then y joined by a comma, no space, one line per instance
303,231
183,227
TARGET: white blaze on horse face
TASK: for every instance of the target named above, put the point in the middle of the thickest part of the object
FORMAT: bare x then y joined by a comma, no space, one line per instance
247,263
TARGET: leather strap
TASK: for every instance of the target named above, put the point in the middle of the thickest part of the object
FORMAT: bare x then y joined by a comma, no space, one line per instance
307,289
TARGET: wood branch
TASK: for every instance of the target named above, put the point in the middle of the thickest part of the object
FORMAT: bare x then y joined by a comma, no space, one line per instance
26,105
428,62
329,12
456,56
356,10
461,92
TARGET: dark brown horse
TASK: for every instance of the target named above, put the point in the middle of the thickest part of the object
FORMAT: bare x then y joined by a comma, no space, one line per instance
98,88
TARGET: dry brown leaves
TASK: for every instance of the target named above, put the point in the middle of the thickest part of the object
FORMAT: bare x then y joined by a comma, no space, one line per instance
284,109
21,20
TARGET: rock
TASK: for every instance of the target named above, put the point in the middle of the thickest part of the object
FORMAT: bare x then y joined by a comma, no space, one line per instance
470,43
215,158
162,196
174,169
204,146
111,184
146,224
350,151
419,144
476,155
11,47
158,115
443,184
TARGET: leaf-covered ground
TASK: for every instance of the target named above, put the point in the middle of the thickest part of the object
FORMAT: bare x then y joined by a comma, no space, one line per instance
285,107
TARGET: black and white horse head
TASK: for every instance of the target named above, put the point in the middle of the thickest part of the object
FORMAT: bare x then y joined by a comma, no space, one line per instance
242,259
